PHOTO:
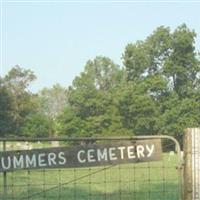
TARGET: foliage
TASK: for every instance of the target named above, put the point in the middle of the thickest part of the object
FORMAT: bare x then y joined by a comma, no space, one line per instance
165,68
92,110
6,108
155,91
17,82
35,125
52,102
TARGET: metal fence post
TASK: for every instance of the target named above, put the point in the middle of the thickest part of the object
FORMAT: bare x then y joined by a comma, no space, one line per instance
192,164
4,174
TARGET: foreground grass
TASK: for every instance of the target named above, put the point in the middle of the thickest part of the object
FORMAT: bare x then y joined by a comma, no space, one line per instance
144,181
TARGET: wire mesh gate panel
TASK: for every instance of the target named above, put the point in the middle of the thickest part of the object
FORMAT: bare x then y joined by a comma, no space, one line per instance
158,180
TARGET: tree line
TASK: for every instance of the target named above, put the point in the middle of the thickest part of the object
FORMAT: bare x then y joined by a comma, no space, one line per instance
155,91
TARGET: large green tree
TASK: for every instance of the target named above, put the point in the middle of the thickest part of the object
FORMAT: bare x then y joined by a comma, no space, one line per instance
166,69
91,108
52,102
6,109
17,82
182,66
35,125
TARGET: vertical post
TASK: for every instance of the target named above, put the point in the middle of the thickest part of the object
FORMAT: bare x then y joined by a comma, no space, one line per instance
4,174
192,164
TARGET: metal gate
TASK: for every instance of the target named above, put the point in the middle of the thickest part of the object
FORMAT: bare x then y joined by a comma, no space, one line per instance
159,180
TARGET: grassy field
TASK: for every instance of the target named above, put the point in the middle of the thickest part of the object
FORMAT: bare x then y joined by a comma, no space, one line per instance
144,181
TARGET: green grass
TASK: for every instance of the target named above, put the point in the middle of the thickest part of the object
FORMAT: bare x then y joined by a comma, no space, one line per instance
143,181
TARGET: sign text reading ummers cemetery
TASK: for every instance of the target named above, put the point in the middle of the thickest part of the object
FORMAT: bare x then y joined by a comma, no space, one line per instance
82,155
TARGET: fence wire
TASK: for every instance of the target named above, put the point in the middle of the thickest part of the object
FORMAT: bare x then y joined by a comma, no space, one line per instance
159,180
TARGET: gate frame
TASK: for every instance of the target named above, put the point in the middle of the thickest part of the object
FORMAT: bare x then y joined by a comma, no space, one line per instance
180,161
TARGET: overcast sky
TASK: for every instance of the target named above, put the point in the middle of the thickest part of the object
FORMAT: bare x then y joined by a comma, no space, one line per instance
56,39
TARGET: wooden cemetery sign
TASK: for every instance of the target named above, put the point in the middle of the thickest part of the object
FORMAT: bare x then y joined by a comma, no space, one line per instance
82,155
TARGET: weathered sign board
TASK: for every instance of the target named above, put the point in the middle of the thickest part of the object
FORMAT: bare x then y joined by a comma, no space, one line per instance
82,155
